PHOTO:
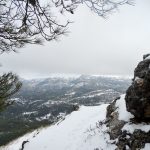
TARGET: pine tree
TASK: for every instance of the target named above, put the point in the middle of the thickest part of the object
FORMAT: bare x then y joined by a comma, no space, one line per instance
9,84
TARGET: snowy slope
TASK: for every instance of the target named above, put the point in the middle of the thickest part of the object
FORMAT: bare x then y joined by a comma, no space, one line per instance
81,130
77,132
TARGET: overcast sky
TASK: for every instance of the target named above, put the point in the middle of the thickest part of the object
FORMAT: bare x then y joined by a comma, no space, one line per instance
94,45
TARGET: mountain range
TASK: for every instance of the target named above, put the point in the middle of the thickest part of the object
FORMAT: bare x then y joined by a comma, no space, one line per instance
42,102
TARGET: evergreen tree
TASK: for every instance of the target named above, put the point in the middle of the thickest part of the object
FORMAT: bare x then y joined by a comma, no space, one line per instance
9,84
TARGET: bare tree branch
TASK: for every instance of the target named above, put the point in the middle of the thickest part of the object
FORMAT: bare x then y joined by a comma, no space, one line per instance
22,21
31,21
100,7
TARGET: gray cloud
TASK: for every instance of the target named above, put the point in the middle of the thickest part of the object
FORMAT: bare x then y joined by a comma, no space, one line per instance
94,45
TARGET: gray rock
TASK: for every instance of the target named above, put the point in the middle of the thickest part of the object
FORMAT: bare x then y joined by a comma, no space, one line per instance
134,141
124,139
138,94
138,103
113,122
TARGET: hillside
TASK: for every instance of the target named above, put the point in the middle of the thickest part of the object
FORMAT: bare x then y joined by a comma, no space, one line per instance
124,124
42,102
85,129
78,130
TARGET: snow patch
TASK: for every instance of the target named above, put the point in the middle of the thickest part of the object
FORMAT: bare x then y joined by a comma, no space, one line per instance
29,113
121,108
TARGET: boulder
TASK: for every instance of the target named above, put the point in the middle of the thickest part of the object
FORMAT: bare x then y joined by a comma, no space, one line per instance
138,94
120,133
133,132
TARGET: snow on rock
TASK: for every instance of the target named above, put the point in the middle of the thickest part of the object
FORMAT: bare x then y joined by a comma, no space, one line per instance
132,127
78,131
121,108
124,129
126,116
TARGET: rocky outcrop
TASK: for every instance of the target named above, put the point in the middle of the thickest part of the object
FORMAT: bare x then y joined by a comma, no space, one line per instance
112,121
123,138
134,141
138,94
134,132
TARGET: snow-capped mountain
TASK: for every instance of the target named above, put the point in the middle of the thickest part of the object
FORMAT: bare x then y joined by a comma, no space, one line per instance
42,102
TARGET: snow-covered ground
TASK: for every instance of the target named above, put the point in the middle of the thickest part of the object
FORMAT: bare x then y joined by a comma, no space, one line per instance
78,131
81,130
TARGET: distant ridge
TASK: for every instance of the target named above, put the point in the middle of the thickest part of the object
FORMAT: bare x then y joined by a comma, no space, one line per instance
74,76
